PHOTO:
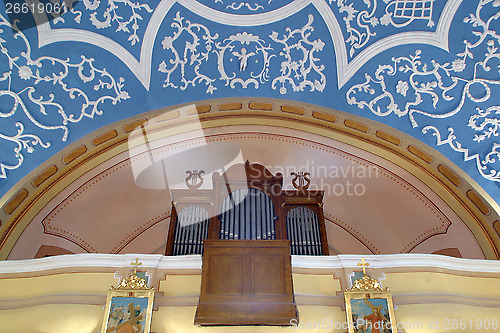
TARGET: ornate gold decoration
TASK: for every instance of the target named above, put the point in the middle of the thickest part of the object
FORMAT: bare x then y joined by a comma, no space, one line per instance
194,179
366,283
133,281
303,181
125,309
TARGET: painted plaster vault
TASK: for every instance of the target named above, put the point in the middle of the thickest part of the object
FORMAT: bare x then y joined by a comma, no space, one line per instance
392,105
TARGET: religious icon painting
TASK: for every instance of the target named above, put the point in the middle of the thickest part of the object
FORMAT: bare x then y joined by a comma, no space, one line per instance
369,308
129,306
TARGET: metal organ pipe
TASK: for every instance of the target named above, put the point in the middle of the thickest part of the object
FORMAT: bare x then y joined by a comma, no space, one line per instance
290,233
190,230
302,225
316,235
300,234
307,232
252,213
252,218
189,234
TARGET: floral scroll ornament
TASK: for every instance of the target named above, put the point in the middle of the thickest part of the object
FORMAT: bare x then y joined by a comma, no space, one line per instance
21,76
422,85
298,72
252,5
194,54
243,59
489,126
486,166
363,17
427,81
439,83
112,16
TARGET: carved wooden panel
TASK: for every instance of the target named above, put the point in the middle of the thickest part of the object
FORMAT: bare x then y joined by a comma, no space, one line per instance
228,283
246,282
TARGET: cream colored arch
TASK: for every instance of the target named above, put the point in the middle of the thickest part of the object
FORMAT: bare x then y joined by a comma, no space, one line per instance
462,194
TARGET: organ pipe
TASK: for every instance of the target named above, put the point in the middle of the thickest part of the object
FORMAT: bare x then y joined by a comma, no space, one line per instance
302,226
252,218
190,230
249,214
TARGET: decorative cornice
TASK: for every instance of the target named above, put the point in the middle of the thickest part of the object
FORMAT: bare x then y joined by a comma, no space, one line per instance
300,299
409,262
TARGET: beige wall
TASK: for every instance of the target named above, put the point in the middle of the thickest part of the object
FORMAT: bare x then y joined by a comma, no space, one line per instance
59,295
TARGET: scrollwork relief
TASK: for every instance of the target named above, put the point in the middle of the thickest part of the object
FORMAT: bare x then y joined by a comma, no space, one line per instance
243,59
122,15
362,18
432,89
304,70
24,88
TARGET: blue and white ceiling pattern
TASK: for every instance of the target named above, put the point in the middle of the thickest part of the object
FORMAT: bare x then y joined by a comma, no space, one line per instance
429,68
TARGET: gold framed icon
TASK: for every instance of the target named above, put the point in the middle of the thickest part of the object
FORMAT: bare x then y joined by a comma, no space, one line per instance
129,306
369,308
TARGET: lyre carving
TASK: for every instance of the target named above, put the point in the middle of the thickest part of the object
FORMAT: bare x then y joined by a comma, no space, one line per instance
194,179
301,181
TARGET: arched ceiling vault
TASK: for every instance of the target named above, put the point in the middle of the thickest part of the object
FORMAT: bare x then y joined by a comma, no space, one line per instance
426,68
86,199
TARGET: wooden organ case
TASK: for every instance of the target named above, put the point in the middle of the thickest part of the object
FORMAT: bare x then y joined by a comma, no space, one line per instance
247,227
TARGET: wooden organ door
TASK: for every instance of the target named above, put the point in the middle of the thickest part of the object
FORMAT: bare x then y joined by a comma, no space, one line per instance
247,224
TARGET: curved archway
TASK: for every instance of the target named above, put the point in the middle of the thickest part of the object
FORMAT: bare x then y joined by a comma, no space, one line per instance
433,182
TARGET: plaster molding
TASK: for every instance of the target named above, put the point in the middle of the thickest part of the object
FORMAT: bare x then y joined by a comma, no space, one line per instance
194,262
301,299
411,261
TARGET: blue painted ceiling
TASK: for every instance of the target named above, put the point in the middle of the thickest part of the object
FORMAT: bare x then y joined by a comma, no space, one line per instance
429,68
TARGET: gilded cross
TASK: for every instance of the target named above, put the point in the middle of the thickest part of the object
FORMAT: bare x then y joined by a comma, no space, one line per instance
364,264
136,264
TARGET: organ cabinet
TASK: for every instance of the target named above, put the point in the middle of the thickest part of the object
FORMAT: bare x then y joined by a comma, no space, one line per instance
247,202
247,227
